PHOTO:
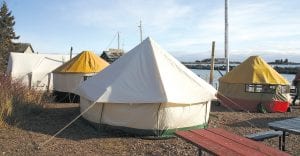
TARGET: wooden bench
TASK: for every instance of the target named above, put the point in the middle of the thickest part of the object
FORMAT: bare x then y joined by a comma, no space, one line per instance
217,141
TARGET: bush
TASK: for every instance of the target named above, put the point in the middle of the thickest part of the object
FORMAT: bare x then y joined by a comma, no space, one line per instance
17,100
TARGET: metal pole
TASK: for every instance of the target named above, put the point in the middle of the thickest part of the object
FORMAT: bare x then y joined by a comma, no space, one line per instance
71,51
141,31
118,40
226,36
212,63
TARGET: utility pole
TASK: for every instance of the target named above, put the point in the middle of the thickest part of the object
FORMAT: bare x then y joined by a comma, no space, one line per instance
118,40
212,63
226,37
141,31
71,51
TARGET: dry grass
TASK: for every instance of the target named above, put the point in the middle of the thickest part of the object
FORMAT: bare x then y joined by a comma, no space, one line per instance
17,100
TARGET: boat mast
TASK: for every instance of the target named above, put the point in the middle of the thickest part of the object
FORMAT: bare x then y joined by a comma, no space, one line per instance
141,31
118,40
226,36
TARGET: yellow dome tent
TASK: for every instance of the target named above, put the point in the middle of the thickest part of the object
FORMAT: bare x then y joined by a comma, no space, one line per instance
68,76
254,85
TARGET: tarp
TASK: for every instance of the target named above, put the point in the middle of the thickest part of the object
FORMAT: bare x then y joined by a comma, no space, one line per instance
85,62
34,70
146,74
254,70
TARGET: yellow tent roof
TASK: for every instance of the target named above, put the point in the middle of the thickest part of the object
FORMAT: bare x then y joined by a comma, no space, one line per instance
254,70
85,62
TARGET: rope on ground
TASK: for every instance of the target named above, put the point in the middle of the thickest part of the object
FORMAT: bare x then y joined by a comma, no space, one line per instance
251,124
52,137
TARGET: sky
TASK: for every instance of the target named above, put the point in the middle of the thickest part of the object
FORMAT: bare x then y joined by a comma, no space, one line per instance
186,29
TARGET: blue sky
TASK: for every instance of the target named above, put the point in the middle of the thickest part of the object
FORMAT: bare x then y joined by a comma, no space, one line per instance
269,28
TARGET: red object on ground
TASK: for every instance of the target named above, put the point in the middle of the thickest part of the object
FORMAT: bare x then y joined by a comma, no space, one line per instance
280,106
251,105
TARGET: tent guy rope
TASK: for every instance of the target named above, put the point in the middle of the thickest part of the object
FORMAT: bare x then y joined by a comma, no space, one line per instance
52,137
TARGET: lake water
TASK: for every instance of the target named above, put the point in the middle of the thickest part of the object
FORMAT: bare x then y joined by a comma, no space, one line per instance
204,74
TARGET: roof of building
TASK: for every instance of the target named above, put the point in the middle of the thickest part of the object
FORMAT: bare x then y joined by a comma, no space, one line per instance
114,53
21,47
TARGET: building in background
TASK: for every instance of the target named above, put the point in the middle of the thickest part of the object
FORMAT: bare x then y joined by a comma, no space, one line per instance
112,54
22,48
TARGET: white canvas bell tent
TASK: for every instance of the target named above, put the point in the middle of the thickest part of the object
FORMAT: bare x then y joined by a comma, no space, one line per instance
146,92
34,70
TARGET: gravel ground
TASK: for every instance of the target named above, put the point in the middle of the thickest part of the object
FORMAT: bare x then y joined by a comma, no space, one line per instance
80,138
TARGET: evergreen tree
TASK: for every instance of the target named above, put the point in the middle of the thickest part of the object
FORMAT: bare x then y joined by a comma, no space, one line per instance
7,34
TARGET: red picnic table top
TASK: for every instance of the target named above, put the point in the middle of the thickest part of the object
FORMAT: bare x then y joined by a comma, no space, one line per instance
218,141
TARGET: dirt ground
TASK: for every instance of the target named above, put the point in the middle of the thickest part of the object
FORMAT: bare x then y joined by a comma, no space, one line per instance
82,139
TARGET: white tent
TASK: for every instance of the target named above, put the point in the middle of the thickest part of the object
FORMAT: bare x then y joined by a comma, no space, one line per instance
34,70
147,91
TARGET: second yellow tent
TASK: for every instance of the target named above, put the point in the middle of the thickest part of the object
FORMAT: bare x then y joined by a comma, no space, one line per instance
68,76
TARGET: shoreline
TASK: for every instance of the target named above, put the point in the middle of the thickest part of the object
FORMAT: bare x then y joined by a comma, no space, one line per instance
281,70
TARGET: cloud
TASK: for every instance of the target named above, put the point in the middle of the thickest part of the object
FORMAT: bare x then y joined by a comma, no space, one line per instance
157,15
181,27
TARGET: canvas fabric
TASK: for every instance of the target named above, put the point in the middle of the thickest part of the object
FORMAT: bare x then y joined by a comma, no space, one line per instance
147,90
146,74
68,76
234,96
85,62
254,70
147,117
34,70
65,82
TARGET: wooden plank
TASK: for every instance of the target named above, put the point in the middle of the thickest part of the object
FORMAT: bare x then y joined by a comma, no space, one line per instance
228,143
206,144
250,143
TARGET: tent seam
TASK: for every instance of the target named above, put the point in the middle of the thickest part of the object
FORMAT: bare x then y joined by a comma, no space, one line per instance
159,75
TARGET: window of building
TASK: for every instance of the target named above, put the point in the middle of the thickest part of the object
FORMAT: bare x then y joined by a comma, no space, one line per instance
86,77
265,88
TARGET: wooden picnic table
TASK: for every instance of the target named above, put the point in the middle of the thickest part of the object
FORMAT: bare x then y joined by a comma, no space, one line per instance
288,125
218,141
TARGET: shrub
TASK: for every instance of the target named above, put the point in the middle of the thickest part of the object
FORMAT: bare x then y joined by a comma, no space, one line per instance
17,100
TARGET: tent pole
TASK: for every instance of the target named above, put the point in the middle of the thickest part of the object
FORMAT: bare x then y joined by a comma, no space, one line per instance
158,119
102,108
118,40
71,52
205,114
212,63
30,80
49,80
226,36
